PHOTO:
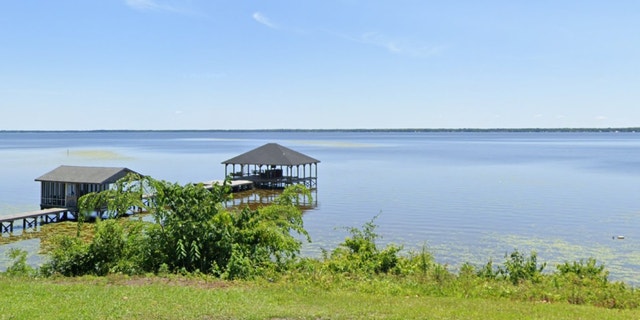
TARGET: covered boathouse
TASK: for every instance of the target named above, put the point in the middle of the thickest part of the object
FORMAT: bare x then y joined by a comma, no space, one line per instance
61,187
273,166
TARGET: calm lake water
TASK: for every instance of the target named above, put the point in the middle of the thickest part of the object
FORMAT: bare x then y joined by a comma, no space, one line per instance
469,197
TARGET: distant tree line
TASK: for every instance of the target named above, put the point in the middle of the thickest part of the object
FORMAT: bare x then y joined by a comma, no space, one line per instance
427,130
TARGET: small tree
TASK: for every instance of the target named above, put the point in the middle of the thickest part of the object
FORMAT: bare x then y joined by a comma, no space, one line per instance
126,194
517,268
264,237
186,235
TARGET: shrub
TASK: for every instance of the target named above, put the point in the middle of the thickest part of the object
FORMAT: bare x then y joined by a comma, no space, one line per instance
117,247
488,271
517,268
584,270
69,257
19,267
359,255
586,282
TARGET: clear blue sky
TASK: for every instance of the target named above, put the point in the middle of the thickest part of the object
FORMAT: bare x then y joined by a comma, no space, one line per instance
206,64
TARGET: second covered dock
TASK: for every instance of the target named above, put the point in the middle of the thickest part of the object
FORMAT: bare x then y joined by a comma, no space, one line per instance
273,166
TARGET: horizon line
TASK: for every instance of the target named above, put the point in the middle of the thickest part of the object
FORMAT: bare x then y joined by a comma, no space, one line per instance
523,129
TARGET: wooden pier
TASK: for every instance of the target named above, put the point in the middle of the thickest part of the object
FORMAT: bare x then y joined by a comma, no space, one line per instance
236,185
30,219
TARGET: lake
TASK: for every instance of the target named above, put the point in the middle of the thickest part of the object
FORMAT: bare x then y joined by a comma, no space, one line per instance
466,196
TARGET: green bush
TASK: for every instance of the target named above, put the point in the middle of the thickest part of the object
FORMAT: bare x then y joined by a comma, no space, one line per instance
69,257
517,268
359,254
586,282
19,267
584,270
117,247
488,271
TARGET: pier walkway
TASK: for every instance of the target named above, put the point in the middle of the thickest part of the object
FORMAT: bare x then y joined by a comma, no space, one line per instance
30,219
236,185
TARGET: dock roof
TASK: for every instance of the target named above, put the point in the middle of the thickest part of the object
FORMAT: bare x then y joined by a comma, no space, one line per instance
272,154
79,174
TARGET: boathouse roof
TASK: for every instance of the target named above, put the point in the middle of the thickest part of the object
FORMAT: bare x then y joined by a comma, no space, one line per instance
79,174
272,154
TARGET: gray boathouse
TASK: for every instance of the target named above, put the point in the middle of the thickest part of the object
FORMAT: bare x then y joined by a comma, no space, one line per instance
60,190
61,187
273,166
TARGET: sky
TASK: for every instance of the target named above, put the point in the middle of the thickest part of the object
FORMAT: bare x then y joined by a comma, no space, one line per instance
331,64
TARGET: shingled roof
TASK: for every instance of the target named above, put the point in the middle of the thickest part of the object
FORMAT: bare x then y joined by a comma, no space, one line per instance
272,154
77,174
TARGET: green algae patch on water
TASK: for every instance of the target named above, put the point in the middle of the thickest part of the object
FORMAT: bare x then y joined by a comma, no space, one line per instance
46,234
97,154
338,144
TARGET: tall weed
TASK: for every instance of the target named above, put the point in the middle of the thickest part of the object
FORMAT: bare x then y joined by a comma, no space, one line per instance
19,267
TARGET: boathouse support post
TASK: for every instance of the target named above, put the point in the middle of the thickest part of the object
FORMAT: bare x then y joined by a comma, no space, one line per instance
7,227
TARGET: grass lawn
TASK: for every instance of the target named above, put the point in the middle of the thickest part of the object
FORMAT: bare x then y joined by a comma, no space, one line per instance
187,298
